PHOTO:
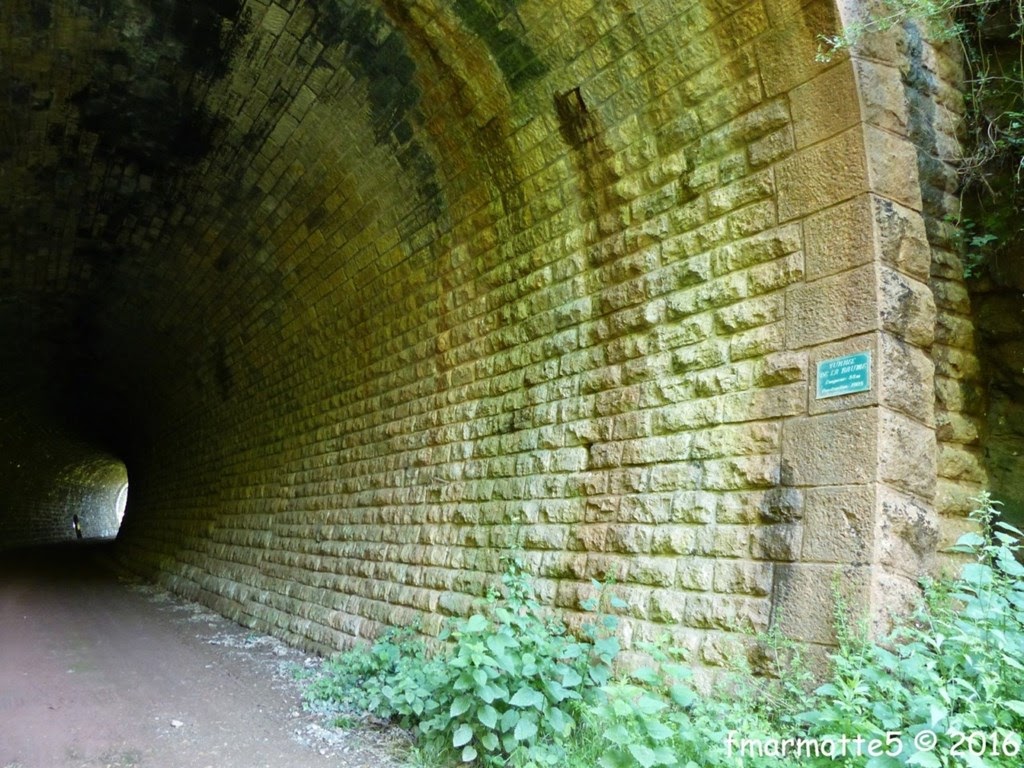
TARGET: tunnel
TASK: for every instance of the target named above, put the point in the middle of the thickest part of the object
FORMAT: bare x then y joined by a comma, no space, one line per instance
361,295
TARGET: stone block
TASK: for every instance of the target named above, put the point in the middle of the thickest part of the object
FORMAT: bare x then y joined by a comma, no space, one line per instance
892,167
743,578
762,310
883,94
734,440
831,449
906,454
957,462
825,105
906,307
673,539
832,308
906,379
772,403
772,148
781,368
817,177
907,533
758,341
839,525
667,606
839,238
786,54
652,571
902,239
892,596
695,574
803,598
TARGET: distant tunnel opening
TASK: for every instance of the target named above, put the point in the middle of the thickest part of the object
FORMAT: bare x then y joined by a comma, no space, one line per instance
56,487
95,492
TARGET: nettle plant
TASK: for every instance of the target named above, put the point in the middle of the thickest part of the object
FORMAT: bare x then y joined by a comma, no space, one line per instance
511,687
505,687
950,682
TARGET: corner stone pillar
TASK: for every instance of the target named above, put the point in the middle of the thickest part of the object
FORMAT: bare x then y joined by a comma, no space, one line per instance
865,462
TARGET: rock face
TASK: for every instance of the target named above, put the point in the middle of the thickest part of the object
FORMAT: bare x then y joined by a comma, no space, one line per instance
367,293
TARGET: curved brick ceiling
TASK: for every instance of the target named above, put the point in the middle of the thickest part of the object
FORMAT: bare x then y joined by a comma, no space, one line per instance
365,292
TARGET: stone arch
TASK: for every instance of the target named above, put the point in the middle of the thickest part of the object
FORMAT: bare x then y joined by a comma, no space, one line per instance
405,285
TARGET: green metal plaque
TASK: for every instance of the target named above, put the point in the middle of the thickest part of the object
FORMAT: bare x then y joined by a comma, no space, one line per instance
844,375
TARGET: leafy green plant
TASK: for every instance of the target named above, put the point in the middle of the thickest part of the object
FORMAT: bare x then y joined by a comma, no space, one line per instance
955,672
511,687
506,686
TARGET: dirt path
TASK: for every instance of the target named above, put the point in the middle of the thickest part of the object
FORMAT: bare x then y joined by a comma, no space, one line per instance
97,672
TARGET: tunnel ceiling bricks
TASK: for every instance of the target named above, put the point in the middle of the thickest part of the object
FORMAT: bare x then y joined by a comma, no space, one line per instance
381,291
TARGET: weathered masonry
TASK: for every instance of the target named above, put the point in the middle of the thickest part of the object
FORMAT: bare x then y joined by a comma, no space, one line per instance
365,293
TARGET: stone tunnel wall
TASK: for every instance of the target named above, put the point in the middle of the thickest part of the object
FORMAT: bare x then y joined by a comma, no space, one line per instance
438,281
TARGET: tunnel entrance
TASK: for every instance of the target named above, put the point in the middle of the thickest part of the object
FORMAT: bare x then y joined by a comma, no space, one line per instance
50,475
93,495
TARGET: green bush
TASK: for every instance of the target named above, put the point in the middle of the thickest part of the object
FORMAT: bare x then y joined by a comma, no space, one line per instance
956,670
505,688
513,688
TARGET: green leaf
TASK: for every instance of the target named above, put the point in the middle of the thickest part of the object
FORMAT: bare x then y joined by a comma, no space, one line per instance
526,729
558,721
665,756
925,760
509,719
460,705
488,716
883,761
476,623
571,678
976,574
1015,706
971,540
656,729
643,755
490,741
607,648
682,695
618,734
527,697
649,705
463,734
469,754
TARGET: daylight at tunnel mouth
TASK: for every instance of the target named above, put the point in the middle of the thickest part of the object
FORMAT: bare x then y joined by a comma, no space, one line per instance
363,295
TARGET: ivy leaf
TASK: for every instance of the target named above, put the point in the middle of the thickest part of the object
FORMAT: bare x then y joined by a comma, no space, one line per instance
469,754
